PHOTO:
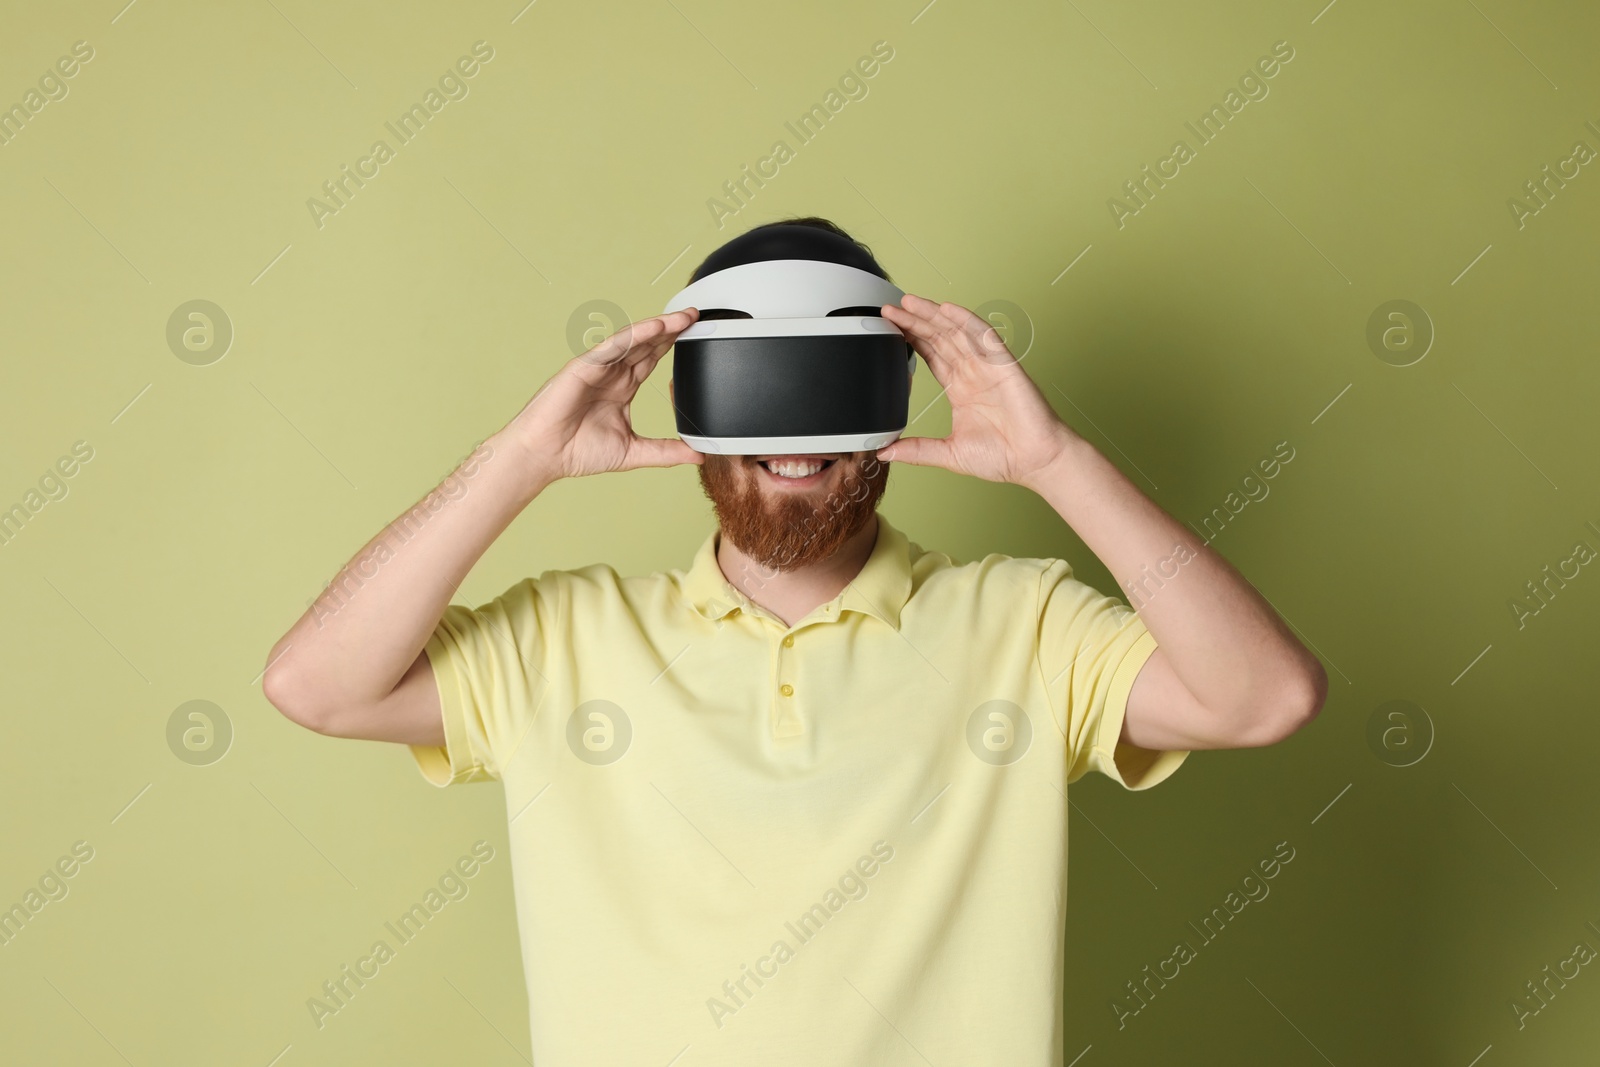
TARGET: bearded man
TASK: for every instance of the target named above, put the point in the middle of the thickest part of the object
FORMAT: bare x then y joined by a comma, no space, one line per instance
803,801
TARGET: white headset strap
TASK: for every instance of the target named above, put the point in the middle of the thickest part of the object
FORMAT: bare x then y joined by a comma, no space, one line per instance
832,326
787,288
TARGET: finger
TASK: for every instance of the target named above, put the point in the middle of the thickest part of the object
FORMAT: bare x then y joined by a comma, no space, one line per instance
941,331
620,377
914,313
918,451
923,336
660,452
919,306
977,335
646,356
637,339
654,337
615,347
974,328
935,367
983,339
963,333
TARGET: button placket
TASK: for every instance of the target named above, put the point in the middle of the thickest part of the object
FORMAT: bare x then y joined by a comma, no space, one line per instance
787,720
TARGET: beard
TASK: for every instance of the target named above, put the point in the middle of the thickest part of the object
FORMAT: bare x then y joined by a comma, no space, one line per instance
786,530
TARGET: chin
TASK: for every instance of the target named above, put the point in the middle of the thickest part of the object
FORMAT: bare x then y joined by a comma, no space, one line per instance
788,512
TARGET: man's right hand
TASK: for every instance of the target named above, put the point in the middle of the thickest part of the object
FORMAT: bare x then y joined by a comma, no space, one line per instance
578,423
355,665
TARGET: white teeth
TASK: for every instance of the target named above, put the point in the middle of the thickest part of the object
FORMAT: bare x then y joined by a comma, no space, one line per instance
794,468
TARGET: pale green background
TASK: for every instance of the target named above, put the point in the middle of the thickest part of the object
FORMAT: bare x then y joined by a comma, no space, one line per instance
377,350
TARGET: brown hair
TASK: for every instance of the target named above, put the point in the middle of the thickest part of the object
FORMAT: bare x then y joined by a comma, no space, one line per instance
819,223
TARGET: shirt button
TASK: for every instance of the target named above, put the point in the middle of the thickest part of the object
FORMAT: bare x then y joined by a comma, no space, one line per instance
788,642
786,689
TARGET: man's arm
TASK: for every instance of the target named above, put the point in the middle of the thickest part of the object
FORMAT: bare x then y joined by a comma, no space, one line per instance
354,665
1227,672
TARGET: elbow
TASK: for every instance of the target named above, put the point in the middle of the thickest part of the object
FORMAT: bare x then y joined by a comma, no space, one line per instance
1295,707
1314,695
1290,707
288,692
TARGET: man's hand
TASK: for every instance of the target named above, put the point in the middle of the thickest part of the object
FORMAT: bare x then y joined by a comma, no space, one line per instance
1002,428
355,665
1228,672
578,424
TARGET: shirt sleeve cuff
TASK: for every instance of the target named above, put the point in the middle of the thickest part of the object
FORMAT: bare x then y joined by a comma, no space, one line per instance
1130,766
453,762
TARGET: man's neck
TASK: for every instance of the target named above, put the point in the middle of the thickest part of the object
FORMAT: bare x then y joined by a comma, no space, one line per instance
792,595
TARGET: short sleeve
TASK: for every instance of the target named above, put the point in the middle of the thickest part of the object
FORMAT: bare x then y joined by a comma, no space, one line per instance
1091,648
490,664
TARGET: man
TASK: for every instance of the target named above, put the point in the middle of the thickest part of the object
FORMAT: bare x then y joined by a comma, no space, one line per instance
802,802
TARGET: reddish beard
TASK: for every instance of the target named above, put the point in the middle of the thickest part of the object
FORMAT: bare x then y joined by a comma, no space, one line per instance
787,530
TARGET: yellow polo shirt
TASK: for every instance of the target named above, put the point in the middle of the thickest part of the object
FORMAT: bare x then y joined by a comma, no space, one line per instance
841,843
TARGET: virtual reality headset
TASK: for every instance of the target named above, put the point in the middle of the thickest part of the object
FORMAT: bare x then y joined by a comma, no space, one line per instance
791,353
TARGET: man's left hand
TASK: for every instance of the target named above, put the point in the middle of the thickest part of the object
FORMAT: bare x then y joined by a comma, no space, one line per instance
1002,428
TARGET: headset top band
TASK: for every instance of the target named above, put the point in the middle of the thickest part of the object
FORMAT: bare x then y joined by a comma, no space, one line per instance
787,288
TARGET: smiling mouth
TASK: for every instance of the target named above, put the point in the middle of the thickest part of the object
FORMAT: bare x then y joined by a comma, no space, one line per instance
795,470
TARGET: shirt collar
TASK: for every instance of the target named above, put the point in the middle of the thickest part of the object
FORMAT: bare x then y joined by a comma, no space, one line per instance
880,589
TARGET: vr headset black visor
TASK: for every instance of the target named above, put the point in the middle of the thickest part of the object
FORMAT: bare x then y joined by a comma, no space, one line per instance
790,356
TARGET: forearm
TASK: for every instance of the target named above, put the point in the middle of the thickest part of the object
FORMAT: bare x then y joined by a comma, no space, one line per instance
357,640
1224,641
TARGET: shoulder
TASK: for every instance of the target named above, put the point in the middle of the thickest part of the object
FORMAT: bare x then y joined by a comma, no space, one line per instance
593,582
600,584
996,576
596,585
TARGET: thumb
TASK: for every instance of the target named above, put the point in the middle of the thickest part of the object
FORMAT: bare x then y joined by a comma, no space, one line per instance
918,451
660,452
